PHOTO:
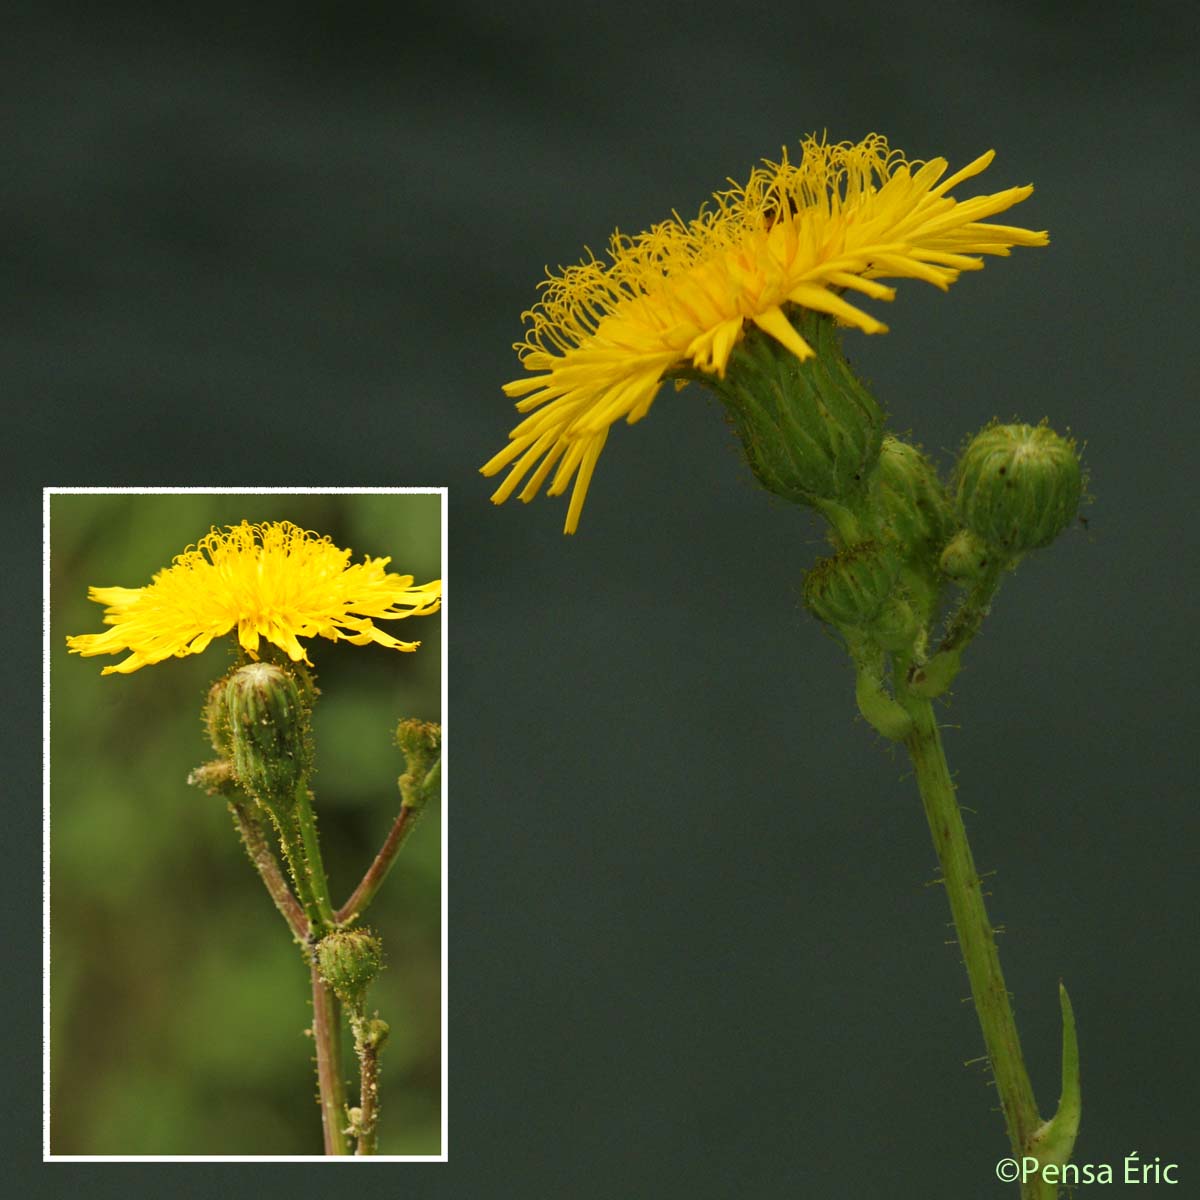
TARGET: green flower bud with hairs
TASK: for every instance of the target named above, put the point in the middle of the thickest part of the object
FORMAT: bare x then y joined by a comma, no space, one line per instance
267,721
965,557
349,960
1019,486
810,430
911,502
853,586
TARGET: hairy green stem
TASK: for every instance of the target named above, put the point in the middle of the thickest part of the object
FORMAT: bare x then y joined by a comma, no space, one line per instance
318,882
326,1039
368,1070
326,1025
372,881
251,832
293,852
965,623
369,1036
976,937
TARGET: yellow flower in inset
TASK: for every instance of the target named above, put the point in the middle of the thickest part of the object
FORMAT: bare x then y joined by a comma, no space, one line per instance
274,581
604,336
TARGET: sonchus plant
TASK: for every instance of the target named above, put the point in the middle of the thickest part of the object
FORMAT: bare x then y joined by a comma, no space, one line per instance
748,299
274,584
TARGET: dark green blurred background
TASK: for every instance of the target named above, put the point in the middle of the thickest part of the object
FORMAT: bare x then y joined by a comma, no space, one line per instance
178,999
692,953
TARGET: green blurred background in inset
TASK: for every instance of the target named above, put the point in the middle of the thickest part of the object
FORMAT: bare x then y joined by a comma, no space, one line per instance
178,1000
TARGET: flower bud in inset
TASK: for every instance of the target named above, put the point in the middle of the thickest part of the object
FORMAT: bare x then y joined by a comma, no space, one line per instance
852,587
375,1033
810,430
348,960
421,743
268,723
215,778
1019,486
913,506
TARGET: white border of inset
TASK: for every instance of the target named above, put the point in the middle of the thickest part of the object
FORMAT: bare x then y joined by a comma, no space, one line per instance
47,493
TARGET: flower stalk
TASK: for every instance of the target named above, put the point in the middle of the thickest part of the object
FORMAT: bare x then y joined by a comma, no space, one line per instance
327,1042
375,874
314,867
1028,1134
976,936
250,830
369,1036
219,778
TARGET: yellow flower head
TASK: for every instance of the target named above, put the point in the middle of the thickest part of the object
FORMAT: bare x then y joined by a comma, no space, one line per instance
604,335
274,581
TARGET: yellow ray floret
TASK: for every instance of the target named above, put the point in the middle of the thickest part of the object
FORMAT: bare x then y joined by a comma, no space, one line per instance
604,334
274,581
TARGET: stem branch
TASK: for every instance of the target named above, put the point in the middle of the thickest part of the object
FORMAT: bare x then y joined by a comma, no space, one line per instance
306,823
326,1038
293,852
369,1036
368,1135
976,938
250,829
976,604
372,881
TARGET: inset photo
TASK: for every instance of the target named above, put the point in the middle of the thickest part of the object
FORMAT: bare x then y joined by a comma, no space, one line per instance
245,838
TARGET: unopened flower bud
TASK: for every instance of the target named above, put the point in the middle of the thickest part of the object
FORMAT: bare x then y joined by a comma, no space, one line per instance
421,743
1019,486
852,587
375,1033
215,778
913,506
348,960
965,557
268,724
810,430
